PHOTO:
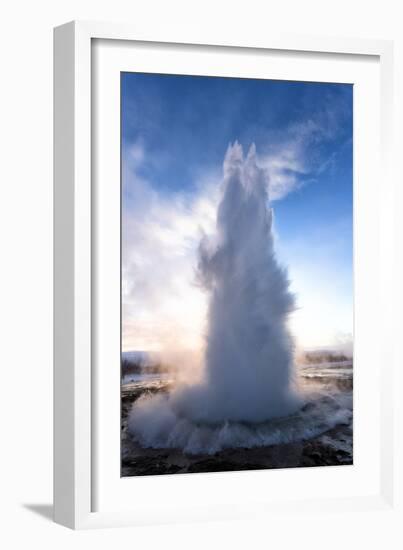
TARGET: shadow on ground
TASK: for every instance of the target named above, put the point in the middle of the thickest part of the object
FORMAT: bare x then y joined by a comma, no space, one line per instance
43,510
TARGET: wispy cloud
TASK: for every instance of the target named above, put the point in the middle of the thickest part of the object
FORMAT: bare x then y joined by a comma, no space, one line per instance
296,156
161,301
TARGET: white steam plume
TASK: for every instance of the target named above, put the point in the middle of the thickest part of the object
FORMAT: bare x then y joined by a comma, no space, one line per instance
248,366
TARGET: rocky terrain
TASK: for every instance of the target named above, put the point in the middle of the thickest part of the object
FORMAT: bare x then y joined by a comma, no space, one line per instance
331,448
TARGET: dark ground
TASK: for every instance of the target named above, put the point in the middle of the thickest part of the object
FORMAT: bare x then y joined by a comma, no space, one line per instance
318,451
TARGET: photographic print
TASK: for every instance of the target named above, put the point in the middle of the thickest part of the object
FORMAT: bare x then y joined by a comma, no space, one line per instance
236,274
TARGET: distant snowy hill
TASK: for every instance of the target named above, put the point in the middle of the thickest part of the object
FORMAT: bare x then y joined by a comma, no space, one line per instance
141,357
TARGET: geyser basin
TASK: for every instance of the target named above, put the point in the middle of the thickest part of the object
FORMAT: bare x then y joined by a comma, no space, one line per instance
248,367
156,425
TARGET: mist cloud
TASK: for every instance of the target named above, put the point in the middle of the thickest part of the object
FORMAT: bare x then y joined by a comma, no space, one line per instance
248,361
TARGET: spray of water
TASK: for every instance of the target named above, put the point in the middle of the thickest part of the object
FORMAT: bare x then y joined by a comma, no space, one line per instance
248,365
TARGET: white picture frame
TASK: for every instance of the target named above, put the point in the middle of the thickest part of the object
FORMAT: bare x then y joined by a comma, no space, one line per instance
77,387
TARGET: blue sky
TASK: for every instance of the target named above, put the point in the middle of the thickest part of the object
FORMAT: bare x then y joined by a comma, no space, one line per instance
175,132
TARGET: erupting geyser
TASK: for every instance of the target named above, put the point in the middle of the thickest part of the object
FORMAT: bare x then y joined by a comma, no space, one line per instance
248,370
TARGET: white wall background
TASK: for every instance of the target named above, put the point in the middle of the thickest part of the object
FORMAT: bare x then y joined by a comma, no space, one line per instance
26,266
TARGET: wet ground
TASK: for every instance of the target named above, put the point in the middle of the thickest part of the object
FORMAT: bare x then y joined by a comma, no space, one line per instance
333,447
